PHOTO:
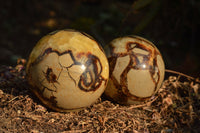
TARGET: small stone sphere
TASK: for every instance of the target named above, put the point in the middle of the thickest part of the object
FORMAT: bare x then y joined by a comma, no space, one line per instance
67,70
136,70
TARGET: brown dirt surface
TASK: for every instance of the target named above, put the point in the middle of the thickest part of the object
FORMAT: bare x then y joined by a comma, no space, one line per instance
175,108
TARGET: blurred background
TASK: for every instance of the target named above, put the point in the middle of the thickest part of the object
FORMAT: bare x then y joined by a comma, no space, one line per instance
173,26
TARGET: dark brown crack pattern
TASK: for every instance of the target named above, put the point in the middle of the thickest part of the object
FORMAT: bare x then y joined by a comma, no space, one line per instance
149,60
50,76
90,79
91,70
92,73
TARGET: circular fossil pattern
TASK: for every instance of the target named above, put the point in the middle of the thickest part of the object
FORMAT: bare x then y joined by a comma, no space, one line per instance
136,70
67,70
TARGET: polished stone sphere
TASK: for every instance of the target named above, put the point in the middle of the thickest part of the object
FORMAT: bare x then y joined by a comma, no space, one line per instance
67,70
136,70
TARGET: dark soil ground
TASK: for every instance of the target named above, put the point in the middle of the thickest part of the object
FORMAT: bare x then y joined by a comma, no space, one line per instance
175,108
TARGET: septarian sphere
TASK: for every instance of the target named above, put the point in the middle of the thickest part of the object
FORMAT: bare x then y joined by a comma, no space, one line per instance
136,70
67,70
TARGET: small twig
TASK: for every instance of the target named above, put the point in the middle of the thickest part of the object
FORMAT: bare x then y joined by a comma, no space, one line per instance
12,99
142,105
182,74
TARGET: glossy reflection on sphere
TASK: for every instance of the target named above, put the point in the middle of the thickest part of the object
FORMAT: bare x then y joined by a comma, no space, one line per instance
67,70
136,70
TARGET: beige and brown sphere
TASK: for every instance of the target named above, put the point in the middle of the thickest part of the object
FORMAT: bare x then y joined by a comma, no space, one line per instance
136,70
67,70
